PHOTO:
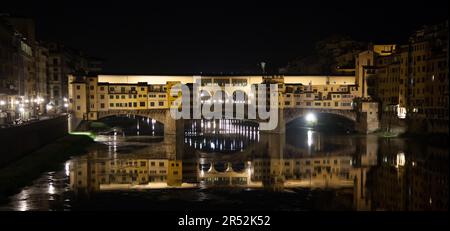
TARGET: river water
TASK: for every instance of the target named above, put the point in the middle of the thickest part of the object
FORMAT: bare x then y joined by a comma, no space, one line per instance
230,165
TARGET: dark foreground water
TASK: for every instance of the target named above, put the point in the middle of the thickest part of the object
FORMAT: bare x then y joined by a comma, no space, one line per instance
229,165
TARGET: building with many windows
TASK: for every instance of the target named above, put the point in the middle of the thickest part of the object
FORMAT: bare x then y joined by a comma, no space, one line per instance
411,79
89,95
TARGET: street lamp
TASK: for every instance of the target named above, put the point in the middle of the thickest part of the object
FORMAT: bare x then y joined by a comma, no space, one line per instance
310,118
49,107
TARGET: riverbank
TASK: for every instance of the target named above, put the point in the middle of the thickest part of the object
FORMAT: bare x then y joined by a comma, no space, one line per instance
22,172
19,141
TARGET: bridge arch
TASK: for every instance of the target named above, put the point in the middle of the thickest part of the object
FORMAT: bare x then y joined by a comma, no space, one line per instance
220,166
159,115
292,114
238,166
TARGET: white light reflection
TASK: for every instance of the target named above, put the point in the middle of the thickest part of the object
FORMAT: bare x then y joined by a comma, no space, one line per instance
67,168
310,138
23,205
51,189
400,159
202,173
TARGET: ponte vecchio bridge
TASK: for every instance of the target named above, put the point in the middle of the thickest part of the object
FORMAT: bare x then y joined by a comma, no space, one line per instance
96,97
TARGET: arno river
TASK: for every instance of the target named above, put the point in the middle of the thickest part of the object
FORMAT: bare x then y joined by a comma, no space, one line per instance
230,165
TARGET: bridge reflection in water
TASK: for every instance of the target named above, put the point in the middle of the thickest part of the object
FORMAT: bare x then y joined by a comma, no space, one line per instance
234,154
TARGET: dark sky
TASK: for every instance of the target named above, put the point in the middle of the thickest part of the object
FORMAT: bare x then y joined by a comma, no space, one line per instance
151,39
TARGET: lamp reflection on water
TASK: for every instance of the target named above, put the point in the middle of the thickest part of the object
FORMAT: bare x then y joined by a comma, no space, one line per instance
310,138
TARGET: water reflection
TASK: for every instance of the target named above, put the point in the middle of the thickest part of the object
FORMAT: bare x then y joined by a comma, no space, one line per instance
415,178
215,159
220,135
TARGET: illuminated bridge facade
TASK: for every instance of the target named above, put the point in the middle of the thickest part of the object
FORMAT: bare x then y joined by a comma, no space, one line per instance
96,97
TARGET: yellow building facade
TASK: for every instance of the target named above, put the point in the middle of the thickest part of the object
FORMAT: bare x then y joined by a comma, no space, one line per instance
88,96
412,78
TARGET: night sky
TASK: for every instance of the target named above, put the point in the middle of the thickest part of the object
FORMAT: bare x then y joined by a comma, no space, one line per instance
147,39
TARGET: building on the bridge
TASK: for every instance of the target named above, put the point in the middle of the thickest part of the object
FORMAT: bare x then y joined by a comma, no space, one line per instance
93,94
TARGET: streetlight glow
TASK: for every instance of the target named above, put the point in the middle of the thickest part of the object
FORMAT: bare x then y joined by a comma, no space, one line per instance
49,107
310,118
